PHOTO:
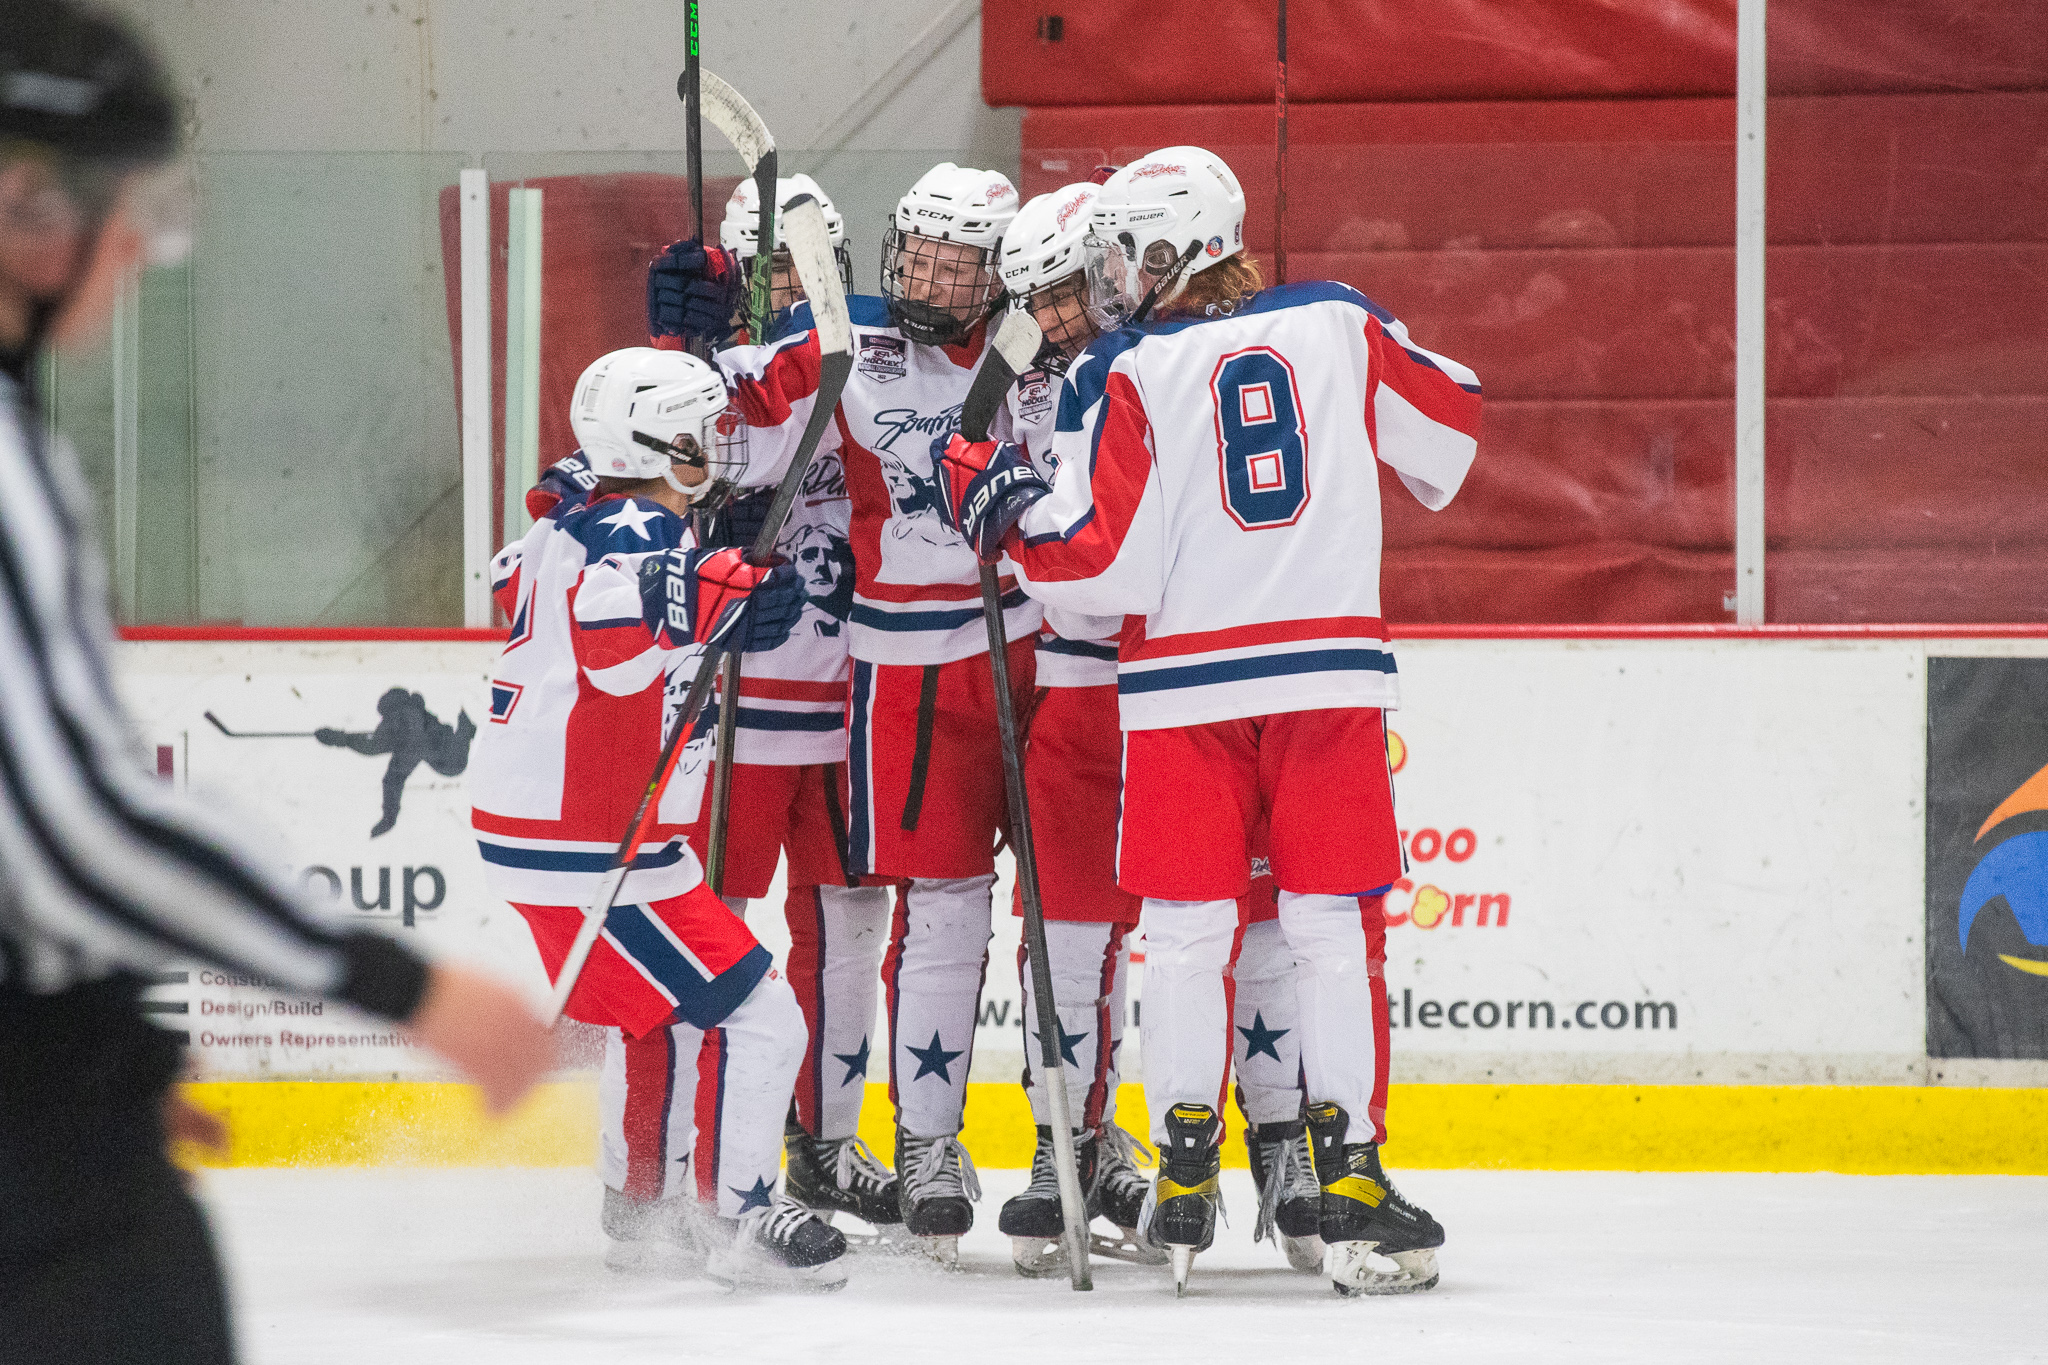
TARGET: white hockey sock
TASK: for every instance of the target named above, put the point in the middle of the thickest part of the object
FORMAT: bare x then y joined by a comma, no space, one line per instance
1087,962
1266,1032
761,1045
938,952
1334,987
837,934
1186,1019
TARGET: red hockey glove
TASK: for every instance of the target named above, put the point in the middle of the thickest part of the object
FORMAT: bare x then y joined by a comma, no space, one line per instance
988,486
716,598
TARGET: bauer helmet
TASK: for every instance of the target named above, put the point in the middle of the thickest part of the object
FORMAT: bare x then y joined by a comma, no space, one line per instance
1158,222
638,412
1044,266
939,254
741,227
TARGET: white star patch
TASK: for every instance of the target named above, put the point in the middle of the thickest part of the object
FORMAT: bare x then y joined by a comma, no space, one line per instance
634,518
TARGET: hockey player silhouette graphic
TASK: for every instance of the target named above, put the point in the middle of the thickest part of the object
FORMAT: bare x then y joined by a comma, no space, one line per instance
412,735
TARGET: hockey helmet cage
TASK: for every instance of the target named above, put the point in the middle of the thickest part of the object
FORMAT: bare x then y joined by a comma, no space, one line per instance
1044,267
634,408
1158,222
939,253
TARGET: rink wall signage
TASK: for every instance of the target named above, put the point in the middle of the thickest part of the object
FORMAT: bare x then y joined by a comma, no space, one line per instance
1987,857
1626,860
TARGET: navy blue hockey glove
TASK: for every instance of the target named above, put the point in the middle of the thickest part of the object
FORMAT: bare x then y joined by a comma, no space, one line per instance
716,598
740,520
693,294
988,486
563,485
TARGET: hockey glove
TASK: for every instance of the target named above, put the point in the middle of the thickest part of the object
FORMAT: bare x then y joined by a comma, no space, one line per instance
693,294
740,520
563,485
988,486
716,598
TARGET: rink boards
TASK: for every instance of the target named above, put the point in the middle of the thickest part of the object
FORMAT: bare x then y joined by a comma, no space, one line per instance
1657,866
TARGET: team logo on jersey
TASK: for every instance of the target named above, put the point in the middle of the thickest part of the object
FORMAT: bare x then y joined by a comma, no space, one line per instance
895,423
1215,246
1034,395
883,358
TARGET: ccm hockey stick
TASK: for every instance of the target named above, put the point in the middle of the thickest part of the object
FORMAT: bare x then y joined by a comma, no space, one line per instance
811,249
735,118
1010,353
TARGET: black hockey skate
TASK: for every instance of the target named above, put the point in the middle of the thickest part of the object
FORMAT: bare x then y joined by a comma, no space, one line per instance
1034,1221
1120,1193
1181,1217
1379,1243
1290,1197
936,1190
668,1237
840,1175
780,1245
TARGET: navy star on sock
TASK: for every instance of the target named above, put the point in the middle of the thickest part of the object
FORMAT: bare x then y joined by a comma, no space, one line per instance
1067,1044
856,1063
1258,1038
933,1060
760,1197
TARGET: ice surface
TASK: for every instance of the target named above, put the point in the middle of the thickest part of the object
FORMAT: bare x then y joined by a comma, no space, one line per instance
395,1267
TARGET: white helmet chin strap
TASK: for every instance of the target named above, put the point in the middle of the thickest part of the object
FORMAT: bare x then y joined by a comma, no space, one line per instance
692,491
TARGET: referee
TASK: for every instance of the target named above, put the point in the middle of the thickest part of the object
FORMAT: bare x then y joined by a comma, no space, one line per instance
104,873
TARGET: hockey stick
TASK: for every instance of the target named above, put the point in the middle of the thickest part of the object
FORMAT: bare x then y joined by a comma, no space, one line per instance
1010,354
1280,153
259,734
735,118
811,249
693,123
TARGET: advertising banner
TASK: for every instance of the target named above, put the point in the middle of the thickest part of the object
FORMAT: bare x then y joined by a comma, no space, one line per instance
1987,858
1631,861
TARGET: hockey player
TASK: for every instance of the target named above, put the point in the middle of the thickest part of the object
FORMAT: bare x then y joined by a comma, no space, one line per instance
789,776
927,794
609,599
1072,756
1217,482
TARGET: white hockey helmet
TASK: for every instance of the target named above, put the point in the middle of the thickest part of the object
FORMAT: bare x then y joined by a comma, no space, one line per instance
1159,221
742,222
634,409
1044,265
938,293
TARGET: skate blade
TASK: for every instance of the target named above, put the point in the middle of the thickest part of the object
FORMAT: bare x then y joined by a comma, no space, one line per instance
657,1260
1183,1258
1357,1270
741,1273
1039,1258
885,1237
1127,1246
945,1250
1303,1253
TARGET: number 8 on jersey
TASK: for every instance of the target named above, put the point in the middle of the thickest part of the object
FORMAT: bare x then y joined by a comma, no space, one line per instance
1260,439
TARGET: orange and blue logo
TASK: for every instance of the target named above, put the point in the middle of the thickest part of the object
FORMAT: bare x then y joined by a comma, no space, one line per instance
2016,869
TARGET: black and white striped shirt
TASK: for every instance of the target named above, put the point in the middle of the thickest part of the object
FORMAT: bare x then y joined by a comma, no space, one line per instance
104,868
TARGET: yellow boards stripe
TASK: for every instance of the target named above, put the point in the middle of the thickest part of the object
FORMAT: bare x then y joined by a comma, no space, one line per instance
1869,1130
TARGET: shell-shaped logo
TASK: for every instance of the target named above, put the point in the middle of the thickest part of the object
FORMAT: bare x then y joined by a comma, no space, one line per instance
2016,869
1397,752
1431,905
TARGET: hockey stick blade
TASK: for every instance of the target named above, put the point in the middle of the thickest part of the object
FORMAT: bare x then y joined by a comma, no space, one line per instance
810,250
257,734
1010,354
731,115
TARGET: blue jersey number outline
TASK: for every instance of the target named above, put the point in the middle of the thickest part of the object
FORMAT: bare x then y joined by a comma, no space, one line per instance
1261,440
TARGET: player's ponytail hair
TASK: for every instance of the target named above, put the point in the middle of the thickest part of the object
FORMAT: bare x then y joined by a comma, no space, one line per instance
1222,288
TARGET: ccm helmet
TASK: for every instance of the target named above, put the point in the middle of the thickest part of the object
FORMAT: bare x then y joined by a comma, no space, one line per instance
939,254
1044,266
741,227
638,411
1159,221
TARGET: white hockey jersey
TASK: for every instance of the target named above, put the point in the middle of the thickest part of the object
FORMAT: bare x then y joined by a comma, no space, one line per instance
916,589
578,703
1217,484
1073,650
